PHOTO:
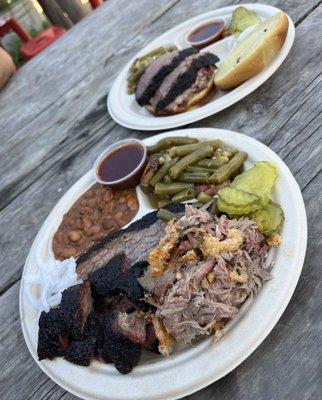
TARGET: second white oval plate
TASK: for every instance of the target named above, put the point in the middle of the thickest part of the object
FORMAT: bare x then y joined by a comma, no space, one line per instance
189,368
124,109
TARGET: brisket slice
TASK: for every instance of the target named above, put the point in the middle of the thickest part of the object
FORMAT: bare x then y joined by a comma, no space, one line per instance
186,79
172,78
151,71
152,79
136,241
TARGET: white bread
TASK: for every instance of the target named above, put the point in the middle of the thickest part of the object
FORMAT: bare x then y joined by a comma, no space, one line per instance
253,53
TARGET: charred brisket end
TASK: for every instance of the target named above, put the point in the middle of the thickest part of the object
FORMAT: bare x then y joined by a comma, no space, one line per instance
187,79
115,348
52,338
162,74
138,225
112,279
81,352
75,306
61,325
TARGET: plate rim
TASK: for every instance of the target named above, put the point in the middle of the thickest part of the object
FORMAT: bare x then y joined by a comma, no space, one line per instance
178,120
270,324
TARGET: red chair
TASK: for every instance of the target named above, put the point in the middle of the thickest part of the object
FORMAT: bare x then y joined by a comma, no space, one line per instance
96,3
31,46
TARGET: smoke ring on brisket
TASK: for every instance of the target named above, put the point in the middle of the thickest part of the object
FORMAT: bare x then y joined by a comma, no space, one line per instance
187,79
157,80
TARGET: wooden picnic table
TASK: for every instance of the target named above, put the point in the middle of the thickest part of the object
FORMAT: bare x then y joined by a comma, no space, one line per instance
53,123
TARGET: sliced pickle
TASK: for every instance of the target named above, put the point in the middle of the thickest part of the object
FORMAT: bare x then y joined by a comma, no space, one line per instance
242,19
258,180
235,202
269,220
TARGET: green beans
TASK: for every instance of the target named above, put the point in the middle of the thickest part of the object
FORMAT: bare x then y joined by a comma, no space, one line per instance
185,195
193,168
179,163
189,148
190,159
167,179
194,177
165,143
166,215
168,189
162,172
146,188
223,173
213,163
163,202
204,198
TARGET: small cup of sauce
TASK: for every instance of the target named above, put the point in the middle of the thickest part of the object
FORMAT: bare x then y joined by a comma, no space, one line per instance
121,165
206,33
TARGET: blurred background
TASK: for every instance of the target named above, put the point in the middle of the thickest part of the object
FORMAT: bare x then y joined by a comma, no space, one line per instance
37,23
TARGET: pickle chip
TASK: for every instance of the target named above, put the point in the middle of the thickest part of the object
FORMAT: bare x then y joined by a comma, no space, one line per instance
269,220
235,202
258,180
242,19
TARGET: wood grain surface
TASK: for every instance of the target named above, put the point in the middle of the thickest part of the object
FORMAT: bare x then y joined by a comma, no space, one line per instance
53,122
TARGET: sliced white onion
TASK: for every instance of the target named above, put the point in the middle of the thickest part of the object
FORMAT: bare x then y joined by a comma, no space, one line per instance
52,278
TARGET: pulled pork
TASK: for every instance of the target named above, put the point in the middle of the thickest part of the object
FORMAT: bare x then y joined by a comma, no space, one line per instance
211,267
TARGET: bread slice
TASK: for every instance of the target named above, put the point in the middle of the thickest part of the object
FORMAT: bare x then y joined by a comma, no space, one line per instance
196,101
253,53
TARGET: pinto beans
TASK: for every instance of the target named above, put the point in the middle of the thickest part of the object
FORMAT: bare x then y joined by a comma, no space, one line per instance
96,213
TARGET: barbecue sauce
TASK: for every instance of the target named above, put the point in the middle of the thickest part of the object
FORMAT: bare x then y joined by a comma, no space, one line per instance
211,30
120,162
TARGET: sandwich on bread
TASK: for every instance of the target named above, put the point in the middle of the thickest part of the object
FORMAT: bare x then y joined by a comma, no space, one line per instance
253,53
177,82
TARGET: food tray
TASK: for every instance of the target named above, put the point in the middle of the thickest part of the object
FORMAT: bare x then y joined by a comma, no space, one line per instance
124,109
189,368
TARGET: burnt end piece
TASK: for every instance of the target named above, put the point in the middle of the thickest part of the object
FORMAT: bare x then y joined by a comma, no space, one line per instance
81,352
115,347
114,278
77,304
187,79
52,339
162,74
65,323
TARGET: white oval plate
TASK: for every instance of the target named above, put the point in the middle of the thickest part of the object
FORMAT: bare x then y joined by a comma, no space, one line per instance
191,368
124,109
